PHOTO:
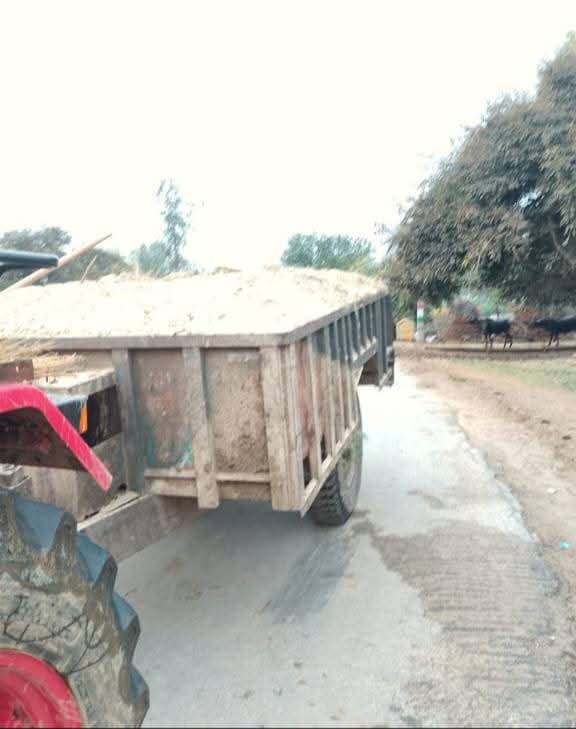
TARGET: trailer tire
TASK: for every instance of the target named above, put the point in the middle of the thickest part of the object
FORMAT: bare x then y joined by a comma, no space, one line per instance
337,499
58,612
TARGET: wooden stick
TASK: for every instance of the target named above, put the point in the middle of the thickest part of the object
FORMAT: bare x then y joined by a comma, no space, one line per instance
41,272
88,267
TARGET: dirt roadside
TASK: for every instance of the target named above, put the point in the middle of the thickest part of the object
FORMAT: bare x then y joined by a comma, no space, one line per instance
528,436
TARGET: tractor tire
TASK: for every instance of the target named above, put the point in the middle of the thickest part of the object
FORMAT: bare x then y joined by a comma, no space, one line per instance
338,497
64,634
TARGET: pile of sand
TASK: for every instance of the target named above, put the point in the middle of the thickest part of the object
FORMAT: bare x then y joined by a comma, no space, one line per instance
270,300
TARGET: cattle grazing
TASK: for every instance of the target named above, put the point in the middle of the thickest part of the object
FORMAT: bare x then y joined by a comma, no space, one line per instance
555,327
491,328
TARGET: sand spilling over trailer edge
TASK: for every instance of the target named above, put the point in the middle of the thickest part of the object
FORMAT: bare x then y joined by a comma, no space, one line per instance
271,300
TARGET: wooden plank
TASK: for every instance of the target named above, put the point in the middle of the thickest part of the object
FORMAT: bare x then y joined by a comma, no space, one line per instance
348,373
245,492
202,444
387,336
228,476
85,382
361,332
380,358
315,485
389,318
234,391
21,370
312,380
203,341
331,410
365,337
132,437
279,457
354,333
368,317
221,476
184,488
293,422
339,377
174,473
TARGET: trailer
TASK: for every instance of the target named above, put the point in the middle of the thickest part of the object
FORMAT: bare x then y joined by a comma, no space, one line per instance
205,418
215,418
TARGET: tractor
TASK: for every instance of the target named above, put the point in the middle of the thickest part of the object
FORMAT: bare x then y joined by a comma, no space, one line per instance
66,638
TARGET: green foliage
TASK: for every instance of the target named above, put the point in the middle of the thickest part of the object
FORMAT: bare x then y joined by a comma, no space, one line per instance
501,210
330,251
167,254
94,264
488,301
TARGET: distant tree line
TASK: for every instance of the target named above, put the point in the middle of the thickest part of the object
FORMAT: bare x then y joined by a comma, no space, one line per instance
158,258
94,264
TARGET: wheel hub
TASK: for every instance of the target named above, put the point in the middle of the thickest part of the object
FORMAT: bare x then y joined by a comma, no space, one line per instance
33,694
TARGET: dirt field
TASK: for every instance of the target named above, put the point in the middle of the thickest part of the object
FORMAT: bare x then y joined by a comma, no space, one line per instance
522,416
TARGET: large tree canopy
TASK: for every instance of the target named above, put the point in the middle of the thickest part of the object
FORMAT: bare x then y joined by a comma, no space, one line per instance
501,210
330,251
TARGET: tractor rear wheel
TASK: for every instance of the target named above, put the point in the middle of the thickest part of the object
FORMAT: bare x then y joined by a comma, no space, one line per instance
66,639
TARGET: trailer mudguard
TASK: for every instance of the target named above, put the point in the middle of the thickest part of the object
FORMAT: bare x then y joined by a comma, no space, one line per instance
33,432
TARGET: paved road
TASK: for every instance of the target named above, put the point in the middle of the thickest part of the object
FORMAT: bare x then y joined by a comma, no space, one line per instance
432,607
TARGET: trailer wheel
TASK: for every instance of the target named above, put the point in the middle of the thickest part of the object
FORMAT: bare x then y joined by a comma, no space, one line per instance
66,639
338,497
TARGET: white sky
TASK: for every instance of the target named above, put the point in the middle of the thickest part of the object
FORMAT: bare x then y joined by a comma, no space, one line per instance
282,117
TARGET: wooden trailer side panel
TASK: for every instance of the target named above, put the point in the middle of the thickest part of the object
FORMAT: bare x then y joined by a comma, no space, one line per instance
236,409
330,364
267,422
194,423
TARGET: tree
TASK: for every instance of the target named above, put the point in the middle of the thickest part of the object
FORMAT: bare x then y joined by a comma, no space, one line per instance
330,251
167,254
500,211
94,264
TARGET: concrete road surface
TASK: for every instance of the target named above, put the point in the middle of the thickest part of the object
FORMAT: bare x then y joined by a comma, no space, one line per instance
433,606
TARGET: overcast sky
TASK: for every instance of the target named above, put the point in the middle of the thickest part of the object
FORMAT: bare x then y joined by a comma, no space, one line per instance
281,117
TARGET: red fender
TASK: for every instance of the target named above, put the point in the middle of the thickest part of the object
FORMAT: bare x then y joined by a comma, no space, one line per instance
34,432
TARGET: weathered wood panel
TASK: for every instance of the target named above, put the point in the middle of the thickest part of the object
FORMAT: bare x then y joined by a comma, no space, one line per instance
328,387
161,382
274,387
338,384
236,409
314,425
134,458
202,441
294,425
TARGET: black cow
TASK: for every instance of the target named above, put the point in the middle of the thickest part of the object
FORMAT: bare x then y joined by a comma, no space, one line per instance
555,327
491,328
